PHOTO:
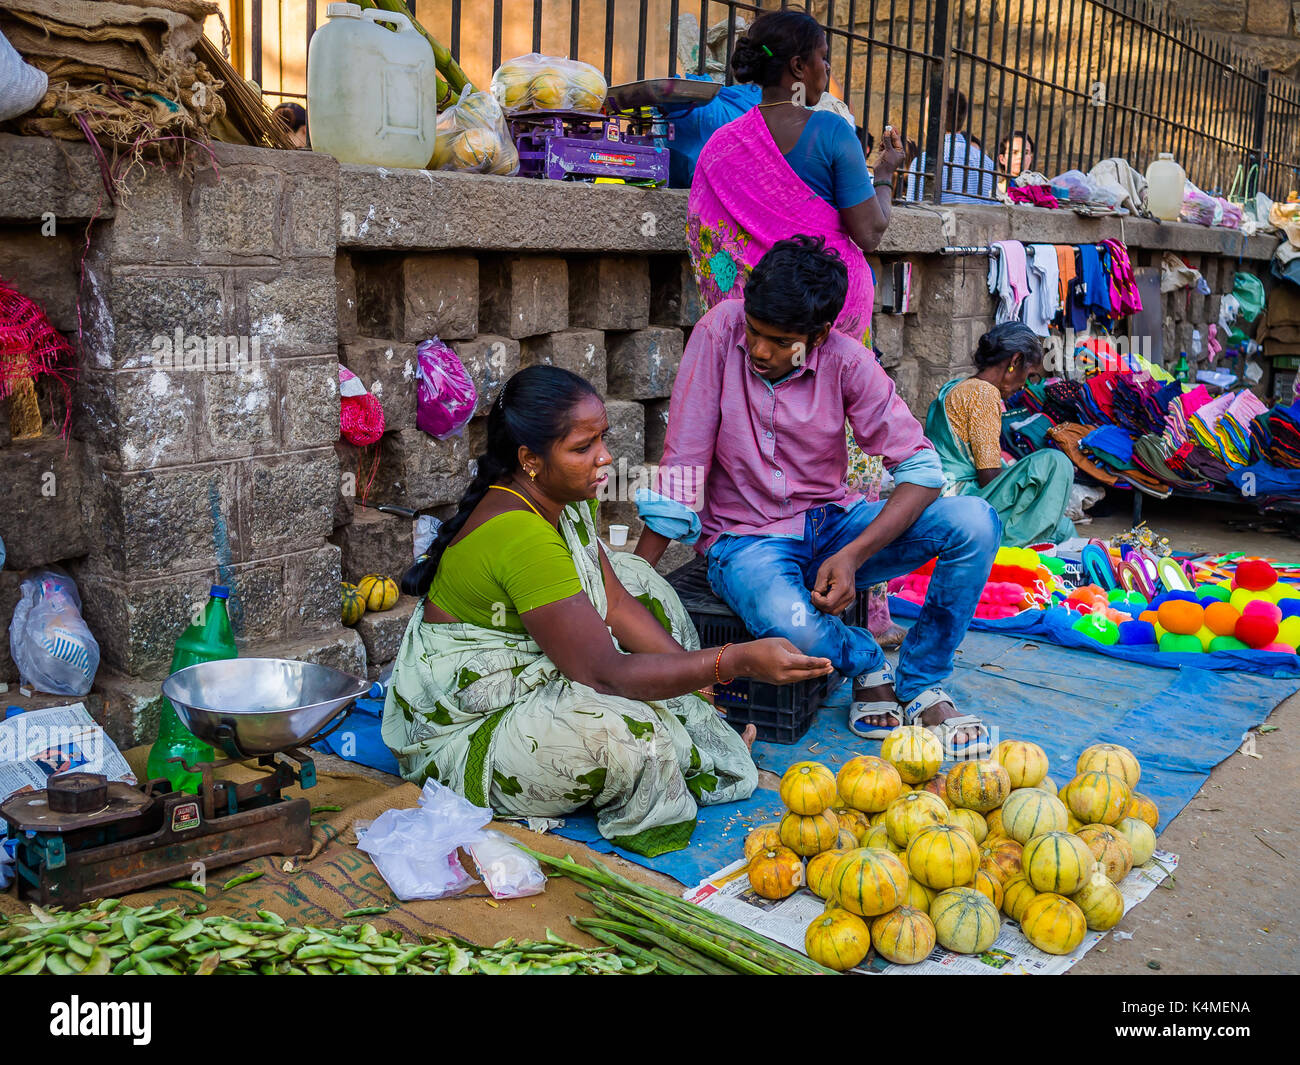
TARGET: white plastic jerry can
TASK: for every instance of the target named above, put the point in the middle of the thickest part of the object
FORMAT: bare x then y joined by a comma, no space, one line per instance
1165,180
372,94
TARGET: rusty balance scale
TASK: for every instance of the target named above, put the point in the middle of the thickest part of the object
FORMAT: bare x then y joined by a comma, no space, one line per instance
84,837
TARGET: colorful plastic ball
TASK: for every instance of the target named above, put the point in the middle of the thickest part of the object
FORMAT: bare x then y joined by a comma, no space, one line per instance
1260,609
1097,627
1216,591
1227,643
1180,643
1149,616
1254,574
1181,617
1282,648
1137,632
1255,631
1221,619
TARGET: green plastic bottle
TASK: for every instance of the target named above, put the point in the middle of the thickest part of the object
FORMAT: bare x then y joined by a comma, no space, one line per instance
209,640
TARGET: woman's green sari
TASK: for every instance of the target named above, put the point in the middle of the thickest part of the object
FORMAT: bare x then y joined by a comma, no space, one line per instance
488,714
1030,495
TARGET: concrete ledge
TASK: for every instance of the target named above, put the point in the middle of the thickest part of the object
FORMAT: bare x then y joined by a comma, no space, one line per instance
39,176
427,210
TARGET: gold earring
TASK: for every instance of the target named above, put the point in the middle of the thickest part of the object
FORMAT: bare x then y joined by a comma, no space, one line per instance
532,475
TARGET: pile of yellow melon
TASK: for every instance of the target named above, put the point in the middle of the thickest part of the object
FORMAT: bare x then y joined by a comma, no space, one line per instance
907,856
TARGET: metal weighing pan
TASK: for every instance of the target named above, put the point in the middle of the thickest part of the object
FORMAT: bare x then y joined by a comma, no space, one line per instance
661,92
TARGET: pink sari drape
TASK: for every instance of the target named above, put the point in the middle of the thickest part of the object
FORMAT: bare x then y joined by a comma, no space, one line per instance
744,198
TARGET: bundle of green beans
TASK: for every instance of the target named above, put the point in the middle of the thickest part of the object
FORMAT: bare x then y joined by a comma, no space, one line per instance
111,937
681,938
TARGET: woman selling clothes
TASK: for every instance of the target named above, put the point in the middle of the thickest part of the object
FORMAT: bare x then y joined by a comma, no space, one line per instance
782,169
538,676
965,426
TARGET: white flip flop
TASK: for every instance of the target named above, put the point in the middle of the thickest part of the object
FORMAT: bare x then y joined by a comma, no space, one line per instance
880,708
946,730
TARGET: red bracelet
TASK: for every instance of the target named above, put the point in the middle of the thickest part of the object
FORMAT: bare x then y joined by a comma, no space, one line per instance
717,666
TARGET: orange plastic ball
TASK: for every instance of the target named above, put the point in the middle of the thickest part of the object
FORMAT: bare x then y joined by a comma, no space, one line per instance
1149,615
1181,617
1221,619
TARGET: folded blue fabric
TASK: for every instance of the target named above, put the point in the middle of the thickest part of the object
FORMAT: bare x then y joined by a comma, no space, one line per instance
1265,479
1113,441
667,517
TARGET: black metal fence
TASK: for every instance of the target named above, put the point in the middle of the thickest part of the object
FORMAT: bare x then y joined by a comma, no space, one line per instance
1078,80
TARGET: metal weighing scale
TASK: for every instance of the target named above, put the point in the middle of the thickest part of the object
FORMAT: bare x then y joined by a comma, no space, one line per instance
625,145
84,837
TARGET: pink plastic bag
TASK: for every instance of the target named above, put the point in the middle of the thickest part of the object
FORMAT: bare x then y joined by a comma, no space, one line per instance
446,397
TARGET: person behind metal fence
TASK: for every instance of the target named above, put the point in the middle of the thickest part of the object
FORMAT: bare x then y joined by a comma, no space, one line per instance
760,402
968,174
541,673
965,424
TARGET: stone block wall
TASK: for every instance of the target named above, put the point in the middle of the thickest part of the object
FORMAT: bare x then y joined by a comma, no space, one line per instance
214,312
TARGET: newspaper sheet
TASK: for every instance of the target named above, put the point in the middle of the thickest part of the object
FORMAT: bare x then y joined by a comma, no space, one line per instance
727,892
36,745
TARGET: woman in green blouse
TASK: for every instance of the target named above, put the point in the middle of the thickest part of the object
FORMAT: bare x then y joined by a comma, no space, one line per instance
540,674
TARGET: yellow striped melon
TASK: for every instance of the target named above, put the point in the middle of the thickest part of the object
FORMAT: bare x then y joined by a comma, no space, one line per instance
1030,812
807,788
1144,809
1025,762
353,606
1017,893
1113,759
918,895
943,856
810,835
853,820
904,935
988,884
1111,849
838,940
1053,924
1047,784
879,837
1058,862
993,820
972,821
1101,903
1140,838
936,785
868,783
914,751
1097,798
817,874
763,838
379,592
965,921
869,881
910,813
978,785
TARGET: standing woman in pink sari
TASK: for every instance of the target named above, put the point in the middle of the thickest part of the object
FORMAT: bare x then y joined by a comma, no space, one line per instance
784,168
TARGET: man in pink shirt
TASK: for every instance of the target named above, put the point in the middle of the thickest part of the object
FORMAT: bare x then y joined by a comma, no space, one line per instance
753,474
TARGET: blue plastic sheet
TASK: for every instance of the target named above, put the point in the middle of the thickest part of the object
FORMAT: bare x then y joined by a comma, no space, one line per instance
1179,722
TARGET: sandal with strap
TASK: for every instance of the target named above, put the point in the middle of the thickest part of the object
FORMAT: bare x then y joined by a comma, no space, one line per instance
887,708
946,730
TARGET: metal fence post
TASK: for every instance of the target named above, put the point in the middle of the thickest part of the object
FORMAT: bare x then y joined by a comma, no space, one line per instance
939,58
1260,138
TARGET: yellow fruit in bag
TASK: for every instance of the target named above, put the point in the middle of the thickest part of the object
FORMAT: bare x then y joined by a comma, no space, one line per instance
473,149
550,91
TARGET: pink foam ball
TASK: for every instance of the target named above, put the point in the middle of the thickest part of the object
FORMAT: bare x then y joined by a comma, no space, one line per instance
1261,609
1285,648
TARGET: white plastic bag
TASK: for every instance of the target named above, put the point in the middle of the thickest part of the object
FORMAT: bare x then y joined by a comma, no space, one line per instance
473,137
536,82
415,850
507,871
48,640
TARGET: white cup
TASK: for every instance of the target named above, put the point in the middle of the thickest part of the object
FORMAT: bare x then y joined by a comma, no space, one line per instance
617,535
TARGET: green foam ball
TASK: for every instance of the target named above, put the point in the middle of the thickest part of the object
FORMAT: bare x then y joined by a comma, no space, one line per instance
1178,644
1117,595
1138,599
1053,564
1216,591
1099,628
1227,643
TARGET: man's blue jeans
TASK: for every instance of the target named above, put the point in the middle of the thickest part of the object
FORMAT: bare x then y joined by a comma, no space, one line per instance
766,581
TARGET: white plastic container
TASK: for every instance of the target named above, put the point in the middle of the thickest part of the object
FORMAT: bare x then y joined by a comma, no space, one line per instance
371,94
1165,181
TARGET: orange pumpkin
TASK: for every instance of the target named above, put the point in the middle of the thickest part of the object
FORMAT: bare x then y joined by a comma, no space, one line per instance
810,835
868,783
838,940
776,873
807,788
904,935
978,785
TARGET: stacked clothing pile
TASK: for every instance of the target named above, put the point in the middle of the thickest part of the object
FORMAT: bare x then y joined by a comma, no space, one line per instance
1062,284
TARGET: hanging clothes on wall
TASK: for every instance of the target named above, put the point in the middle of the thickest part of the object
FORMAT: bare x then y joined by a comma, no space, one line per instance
1044,303
1008,279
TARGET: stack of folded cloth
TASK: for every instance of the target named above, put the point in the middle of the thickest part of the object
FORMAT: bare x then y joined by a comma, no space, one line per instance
1275,437
1135,403
1222,425
1112,447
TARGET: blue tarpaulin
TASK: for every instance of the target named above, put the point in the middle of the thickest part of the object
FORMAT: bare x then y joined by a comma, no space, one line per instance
1179,722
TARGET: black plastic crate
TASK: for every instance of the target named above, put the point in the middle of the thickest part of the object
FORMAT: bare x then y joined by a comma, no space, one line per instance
781,713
